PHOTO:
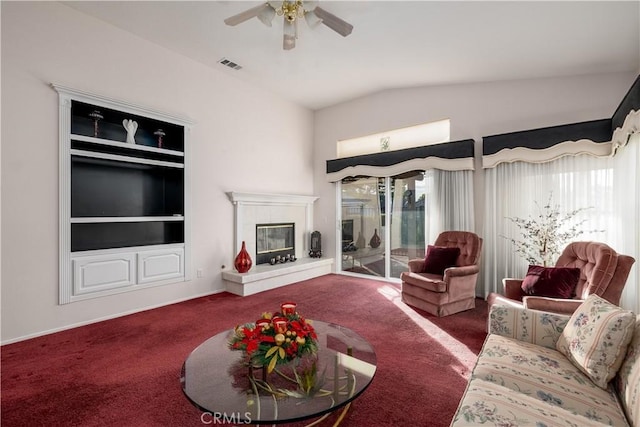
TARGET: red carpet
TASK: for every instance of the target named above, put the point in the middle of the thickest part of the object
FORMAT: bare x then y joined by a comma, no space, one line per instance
125,372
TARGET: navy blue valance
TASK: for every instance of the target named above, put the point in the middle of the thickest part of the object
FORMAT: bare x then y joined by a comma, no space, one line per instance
595,137
595,130
631,102
457,155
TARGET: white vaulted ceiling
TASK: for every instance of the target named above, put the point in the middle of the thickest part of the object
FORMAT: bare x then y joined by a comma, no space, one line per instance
394,44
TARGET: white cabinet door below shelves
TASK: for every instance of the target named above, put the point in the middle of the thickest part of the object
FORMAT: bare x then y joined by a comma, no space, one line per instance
103,272
162,264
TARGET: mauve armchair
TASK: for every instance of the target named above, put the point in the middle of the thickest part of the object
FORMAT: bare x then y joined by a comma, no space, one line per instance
455,290
603,272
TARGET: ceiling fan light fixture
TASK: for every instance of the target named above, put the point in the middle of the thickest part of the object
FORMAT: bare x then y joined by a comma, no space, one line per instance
267,14
312,19
292,11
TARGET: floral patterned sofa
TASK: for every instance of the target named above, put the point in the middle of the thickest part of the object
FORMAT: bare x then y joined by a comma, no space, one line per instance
542,369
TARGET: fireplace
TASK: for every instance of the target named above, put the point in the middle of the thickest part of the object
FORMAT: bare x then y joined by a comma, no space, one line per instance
274,240
253,210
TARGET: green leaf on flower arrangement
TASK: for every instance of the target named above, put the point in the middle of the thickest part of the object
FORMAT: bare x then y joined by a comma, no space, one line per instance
271,351
272,363
281,352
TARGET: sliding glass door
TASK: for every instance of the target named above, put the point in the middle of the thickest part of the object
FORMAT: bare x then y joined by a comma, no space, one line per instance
383,223
363,248
407,220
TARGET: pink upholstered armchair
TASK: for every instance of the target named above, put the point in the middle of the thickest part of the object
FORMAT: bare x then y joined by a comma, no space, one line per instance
602,272
453,291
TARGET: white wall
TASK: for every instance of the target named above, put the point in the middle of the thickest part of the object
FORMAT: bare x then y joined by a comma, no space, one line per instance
475,110
235,140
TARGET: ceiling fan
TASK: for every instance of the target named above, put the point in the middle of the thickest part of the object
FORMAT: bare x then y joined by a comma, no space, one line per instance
292,10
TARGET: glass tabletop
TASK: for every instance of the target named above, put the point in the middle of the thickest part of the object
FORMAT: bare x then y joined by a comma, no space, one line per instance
218,381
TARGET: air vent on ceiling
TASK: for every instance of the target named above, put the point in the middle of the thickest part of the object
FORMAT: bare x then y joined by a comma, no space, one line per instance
230,64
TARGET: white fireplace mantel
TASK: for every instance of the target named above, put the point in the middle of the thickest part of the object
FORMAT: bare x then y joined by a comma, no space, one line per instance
270,199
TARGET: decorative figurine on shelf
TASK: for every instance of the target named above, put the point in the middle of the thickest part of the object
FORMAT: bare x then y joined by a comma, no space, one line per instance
96,116
131,126
159,133
316,245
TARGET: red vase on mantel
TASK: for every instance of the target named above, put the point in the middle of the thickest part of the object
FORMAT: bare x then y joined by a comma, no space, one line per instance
243,261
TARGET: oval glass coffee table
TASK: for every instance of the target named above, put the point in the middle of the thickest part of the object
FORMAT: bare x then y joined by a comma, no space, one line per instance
217,381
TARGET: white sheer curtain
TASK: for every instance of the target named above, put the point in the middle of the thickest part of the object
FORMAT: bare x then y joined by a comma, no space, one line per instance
450,206
626,196
609,187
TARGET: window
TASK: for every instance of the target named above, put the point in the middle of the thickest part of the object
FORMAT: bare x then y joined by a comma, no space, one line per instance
607,186
397,139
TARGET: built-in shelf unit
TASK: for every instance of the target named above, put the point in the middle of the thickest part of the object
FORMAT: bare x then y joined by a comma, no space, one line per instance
124,206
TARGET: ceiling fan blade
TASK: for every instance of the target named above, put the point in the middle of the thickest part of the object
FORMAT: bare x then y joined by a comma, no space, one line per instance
246,15
290,35
332,21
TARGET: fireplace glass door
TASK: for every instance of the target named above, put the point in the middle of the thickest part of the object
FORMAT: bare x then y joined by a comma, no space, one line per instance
274,241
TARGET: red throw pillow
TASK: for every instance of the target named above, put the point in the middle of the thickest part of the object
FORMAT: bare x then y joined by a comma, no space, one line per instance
439,258
554,282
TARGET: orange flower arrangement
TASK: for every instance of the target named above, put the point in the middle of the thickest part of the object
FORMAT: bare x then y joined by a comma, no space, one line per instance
275,338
